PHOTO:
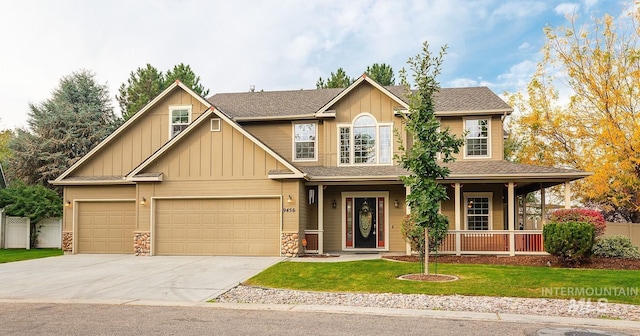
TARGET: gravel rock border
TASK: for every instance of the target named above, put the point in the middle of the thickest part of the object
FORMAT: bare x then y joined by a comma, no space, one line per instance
485,304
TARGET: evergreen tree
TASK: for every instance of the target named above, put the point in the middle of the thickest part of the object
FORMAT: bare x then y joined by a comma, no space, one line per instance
381,73
62,129
339,79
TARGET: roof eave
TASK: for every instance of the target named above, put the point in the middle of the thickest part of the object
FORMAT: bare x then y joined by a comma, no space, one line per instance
473,112
90,182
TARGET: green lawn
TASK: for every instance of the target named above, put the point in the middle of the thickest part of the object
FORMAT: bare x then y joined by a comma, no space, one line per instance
22,254
379,276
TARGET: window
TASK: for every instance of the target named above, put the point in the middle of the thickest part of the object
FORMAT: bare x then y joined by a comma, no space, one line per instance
364,142
478,214
179,119
215,124
477,144
304,141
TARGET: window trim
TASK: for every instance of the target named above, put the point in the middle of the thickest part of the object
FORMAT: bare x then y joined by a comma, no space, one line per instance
466,197
464,127
172,108
350,126
293,141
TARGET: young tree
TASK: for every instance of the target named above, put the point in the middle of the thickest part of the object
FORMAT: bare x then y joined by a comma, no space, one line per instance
421,160
381,73
146,83
599,129
339,79
62,129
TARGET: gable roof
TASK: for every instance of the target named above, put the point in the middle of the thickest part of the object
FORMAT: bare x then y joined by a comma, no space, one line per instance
134,174
131,120
304,104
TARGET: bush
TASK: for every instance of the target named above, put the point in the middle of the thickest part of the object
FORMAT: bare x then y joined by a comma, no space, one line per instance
581,215
616,247
570,242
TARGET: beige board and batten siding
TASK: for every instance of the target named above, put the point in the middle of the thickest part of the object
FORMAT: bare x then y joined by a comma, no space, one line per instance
221,170
496,145
140,139
363,99
278,135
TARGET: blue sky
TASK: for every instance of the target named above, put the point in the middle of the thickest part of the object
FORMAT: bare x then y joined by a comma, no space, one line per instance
274,45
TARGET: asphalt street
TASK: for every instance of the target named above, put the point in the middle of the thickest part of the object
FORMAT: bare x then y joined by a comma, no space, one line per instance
35,319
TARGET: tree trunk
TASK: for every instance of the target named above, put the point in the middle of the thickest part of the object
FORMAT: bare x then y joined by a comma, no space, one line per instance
426,251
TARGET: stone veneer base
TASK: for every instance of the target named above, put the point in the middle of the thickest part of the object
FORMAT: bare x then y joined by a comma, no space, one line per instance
290,244
142,243
67,242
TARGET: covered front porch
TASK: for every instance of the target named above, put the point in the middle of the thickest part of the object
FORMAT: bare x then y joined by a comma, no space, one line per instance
489,208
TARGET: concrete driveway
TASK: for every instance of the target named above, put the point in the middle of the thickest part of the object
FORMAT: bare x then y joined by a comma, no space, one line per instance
126,278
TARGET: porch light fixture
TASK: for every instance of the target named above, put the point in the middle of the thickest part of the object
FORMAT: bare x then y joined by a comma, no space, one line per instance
396,203
470,204
67,204
334,204
143,201
290,199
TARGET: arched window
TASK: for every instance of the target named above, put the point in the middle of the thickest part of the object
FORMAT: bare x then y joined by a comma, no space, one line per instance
364,142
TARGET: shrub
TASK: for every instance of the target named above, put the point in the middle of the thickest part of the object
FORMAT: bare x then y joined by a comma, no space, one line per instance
570,242
581,215
616,247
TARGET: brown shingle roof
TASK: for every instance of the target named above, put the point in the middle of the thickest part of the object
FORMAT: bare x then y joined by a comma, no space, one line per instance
307,102
458,170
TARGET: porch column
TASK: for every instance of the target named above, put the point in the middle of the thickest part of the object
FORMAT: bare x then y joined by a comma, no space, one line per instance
524,211
407,212
511,208
457,219
320,219
543,206
567,195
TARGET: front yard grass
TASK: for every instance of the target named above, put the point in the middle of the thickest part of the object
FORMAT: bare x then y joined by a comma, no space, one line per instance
11,255
379,276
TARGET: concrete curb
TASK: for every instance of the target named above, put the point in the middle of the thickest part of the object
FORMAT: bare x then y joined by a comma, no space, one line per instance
440,314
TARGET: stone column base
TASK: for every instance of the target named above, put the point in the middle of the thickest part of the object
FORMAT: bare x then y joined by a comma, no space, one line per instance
67,241
290,244
142,243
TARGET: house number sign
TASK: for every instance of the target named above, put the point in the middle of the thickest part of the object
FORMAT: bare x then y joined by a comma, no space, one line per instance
288,209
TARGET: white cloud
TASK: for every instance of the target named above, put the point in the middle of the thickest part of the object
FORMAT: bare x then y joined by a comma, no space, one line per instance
567,8
524,46
520,9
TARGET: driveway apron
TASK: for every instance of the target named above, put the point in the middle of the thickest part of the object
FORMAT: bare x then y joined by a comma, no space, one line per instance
125,278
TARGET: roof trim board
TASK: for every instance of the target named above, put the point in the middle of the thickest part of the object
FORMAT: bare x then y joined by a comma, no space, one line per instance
131,120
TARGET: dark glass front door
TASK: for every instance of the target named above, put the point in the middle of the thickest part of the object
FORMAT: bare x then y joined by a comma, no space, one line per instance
365,222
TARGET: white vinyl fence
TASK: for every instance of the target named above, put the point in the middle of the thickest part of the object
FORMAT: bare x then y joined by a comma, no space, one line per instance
15,232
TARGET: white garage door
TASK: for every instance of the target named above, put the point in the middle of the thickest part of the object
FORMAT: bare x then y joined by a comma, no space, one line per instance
106,227
243,227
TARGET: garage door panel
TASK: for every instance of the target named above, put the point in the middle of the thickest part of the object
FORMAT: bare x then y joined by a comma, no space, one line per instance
217,227
106,227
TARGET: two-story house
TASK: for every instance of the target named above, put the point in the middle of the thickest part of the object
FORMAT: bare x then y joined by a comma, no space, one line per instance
287,172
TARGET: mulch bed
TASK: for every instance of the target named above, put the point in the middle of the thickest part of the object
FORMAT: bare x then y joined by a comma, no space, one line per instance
549,261
429,277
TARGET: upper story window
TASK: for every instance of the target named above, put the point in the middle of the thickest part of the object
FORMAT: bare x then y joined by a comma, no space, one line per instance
179,119
305,141
364,142
478,216
477,144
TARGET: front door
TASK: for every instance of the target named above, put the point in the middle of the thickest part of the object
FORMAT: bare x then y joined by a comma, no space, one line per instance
365,222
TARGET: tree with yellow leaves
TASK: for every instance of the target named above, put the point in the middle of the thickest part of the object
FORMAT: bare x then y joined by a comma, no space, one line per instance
598,129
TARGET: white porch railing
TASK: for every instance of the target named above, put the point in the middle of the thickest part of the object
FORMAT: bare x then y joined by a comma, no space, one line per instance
492,242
